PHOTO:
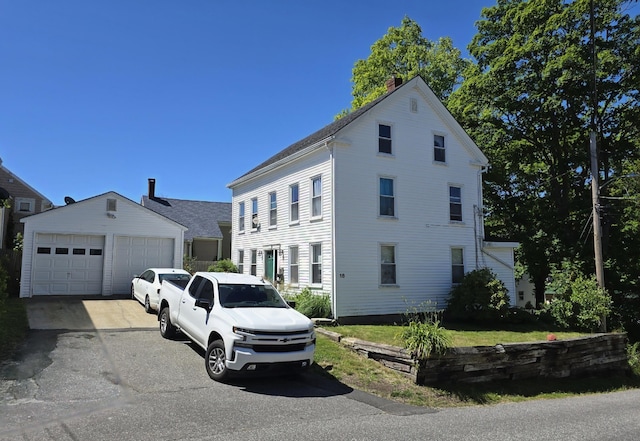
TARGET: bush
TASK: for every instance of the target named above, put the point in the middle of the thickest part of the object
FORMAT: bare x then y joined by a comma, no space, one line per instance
424,338
312,305
223,266
480,296
579,302
633,354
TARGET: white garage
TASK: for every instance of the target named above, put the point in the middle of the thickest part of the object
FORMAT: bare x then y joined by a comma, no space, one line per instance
95,246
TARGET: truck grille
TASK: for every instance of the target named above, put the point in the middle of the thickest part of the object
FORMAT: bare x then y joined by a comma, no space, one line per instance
279,348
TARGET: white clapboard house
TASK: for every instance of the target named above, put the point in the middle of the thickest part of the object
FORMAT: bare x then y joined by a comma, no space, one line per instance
382,209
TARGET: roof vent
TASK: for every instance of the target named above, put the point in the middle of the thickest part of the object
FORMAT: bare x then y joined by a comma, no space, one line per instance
152,188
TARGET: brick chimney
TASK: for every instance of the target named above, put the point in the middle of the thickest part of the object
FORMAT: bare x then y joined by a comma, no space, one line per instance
152,188
392,83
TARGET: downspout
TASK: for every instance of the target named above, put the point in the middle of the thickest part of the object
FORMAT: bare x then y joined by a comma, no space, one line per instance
478,230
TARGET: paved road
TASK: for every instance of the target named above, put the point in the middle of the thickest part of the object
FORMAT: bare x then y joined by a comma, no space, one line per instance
134,385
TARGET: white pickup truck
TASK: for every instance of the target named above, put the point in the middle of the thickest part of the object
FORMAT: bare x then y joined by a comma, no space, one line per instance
241,321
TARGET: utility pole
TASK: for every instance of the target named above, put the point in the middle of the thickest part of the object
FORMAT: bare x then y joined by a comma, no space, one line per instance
595,170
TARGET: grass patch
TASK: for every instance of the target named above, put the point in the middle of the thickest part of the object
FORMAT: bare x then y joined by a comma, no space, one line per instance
459,336
334,360
13,326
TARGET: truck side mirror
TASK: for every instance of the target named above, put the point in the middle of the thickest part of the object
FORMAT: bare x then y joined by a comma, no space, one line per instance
203,303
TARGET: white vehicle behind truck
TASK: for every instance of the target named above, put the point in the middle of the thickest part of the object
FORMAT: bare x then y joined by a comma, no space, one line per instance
241,321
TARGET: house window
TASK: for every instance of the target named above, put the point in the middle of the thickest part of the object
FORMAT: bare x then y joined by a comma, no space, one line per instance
387,197
241,216
25,205
241,261
316,264
294,210
438,148
254,262
457,265
293,265
254,213
384,139
387,265
273,210
111,204
455,203
316,197
521,295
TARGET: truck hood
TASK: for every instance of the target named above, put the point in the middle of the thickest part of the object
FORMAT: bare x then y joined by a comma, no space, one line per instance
268,319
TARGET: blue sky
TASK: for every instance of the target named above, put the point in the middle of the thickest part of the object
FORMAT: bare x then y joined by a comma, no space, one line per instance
101,95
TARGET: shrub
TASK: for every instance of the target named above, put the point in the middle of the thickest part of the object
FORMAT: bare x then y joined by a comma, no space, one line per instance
579,302
424,338
188,264
223,266
481,295
312,305
633,354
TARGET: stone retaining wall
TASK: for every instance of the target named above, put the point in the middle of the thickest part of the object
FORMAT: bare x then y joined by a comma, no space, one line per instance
590,355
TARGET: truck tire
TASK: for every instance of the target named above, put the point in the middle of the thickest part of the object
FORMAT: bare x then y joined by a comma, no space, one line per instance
215,361
167,330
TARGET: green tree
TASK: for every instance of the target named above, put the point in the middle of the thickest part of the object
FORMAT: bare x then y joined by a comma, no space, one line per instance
481,295
223,266
528,104
403,52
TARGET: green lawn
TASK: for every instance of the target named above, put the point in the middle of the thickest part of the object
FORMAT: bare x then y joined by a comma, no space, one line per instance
459,337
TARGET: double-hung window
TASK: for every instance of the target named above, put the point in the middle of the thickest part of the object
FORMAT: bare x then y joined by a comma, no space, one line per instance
457,265
273,210
439,152
254,262
241,216
384,139
254,213
387,197
316,264
241,261
455,203
294,195
293,265
388,265
316,197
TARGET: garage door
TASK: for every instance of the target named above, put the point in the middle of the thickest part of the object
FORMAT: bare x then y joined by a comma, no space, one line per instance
132,255
68,264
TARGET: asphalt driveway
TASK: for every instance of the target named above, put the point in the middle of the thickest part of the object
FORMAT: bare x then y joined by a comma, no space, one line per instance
87,313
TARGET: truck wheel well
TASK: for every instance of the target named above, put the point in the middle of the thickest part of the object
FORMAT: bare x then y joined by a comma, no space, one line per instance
213,337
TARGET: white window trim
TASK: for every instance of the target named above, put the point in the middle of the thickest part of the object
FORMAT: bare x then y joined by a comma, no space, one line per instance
273,226
311,282
395,251
435,133
292,221
311,215
461,187
241,217
451,260
393,147
297,264
395,197
20,201
255,214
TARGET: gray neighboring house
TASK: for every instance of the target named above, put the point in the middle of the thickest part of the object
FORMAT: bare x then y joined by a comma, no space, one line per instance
208,237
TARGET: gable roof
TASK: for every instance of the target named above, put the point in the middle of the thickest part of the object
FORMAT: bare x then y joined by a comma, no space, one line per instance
23,183
202,218
74,205
327,133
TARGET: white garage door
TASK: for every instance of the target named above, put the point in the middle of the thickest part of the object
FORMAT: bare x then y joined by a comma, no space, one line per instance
68,264
132,255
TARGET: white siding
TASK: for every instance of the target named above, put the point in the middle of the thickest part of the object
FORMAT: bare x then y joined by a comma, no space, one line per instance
499,258
421,230
305,232
90,217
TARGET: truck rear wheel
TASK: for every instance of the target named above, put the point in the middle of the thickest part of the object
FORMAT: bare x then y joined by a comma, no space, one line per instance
215,361
167,330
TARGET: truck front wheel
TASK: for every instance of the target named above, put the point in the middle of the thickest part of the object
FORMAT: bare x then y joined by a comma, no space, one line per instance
215,361
167,330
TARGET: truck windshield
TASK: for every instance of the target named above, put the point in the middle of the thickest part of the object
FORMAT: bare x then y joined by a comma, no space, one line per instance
249,296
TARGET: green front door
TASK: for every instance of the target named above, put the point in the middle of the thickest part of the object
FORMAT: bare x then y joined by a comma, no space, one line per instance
269,265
